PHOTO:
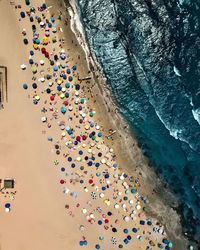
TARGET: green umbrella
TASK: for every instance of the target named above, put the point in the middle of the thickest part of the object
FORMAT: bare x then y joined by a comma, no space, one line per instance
34,69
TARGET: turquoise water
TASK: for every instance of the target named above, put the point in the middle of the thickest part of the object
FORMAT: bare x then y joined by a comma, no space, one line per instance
150,53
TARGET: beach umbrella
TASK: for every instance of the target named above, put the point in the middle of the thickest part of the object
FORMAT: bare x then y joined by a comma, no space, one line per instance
35,101
31,19
46,54
41,62
49,25
35,46
134,230
25,41
34,85
23,66
31,61
52,19
22,14
62,56
25,86
126,241
129,237
67,84
27,2
51,63
68,71
170,244
31,52
63,110
43,50
74,67
44,6
55,68
33,28
50,138
70,78
54,29
62,181
34,69
77,86
97,246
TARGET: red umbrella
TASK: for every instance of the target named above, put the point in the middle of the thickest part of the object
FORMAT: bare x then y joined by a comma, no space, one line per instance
62,181
84,137
78,138
52,98
65,103
90,181
43,50
106,221
46,54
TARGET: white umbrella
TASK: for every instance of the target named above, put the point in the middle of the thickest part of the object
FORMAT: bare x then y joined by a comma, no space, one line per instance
23,66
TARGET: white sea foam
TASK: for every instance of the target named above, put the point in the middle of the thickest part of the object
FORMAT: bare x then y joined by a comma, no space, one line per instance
196,114
176,71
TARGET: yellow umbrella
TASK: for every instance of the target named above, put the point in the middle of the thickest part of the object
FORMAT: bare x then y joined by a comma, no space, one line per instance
59,81
35,46
37,97
62,96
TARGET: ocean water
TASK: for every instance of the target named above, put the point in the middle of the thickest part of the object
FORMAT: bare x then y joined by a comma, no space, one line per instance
150,53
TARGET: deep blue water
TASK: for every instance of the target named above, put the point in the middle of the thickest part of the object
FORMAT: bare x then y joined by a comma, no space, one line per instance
150,53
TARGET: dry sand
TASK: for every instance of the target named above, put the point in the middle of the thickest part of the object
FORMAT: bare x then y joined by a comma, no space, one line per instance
38,218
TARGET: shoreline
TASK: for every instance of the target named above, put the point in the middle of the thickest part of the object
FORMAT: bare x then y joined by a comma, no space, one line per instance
107,99
54,218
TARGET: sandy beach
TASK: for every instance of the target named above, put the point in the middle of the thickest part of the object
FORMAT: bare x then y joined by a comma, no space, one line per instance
71,188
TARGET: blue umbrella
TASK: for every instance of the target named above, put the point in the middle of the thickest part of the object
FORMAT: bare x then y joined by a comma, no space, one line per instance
50,138
7,205
35,101
62,56
55,68
22,14
77,86
59,88
31,52
100,134
63,110
68,71
69,159
67,84
67,94
44,6
74,67
126,241
31,61
25,86
134,230
52,19
107,176
34,85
